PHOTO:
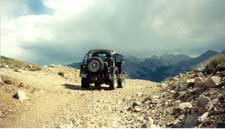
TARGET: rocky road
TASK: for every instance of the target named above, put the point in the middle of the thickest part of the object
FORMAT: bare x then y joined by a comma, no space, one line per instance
58,101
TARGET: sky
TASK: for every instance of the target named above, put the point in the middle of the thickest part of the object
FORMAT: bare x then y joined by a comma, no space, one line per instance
62,31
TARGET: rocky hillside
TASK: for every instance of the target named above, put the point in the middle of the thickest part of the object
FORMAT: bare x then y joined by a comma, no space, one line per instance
159,68
195,99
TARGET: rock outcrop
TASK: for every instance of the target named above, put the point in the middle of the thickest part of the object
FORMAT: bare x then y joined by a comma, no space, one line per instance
20,95
201,99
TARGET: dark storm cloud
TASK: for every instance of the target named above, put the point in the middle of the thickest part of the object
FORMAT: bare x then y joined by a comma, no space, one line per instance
136,27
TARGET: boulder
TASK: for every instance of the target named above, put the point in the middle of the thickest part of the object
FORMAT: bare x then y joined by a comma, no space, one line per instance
136,103
190,120
164,85
221,96
139,94
176,86
137,108
20,95
181,117
203,117
61,74
149,123
29,66
203,100
222,73
7,81
52,65
184,96
1,80
155,97
4,66
199,81
204,103
172,91
190,80
213,81
185,105
196,90
215,101
183,87
17,70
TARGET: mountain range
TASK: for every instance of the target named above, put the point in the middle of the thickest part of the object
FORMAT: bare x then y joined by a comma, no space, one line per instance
159,68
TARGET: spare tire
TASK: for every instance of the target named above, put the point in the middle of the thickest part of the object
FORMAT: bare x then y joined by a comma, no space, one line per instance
95,64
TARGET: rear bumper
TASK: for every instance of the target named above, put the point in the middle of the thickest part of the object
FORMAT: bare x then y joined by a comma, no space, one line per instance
100,77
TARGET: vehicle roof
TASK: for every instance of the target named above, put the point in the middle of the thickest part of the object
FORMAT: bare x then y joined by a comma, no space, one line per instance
110,52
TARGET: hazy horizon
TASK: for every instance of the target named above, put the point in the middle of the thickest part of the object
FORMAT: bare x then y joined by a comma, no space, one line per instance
62,31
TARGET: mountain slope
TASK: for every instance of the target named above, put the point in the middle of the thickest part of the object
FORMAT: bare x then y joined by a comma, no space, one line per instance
191,64
158,68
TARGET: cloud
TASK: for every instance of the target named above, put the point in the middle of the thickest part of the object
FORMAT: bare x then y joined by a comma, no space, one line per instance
140,28
12,8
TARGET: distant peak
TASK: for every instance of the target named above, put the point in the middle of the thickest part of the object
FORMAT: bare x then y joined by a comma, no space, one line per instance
210,52
222,52
155,56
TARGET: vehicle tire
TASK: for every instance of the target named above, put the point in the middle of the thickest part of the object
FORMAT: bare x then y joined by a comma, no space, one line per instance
113,82
95,64
85,83
120,83
97,86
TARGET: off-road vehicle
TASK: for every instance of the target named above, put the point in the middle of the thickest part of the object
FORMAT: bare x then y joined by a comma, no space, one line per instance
102,67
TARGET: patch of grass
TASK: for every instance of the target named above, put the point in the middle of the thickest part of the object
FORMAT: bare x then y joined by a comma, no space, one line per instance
215,64
11,62
16,64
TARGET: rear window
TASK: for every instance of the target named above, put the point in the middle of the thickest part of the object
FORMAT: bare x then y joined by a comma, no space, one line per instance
103,56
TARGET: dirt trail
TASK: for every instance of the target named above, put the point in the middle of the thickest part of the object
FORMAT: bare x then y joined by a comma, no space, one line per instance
56,101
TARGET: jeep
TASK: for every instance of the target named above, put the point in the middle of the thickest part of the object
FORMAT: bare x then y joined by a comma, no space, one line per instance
102,67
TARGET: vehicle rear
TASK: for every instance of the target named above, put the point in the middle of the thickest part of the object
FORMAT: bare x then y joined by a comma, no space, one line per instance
100,67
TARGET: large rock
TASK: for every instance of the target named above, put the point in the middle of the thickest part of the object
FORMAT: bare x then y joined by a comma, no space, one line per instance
180,86
172,91
191,120
204,103
1,80
213,81
137,108
190,80
183,87
139,94
222,73
20,95
52,65
185,105
7,81
199,81
176,86
4,66
136,103
149,123
203,117
30,66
